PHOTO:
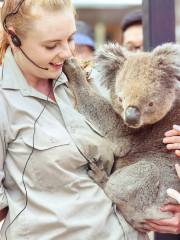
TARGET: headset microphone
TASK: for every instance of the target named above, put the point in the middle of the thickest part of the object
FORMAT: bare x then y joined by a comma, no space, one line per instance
32,60
17,42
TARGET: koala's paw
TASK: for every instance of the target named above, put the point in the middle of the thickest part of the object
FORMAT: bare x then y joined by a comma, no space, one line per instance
73,71
97,172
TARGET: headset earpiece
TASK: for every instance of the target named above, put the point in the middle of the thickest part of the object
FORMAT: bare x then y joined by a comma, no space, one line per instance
15,39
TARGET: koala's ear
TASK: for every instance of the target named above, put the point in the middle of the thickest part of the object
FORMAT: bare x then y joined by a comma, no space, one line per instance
108,61
168,59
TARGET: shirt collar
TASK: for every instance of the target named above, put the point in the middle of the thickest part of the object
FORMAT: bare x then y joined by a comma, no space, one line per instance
12,77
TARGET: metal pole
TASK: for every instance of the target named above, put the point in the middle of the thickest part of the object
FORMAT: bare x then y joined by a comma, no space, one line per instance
158,22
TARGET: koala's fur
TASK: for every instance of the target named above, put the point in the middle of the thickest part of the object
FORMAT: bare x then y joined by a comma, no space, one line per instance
145,103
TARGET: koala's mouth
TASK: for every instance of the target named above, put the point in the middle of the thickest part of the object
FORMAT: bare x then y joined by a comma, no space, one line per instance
133,125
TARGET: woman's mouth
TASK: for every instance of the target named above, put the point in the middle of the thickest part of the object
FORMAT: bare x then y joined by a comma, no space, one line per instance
56,66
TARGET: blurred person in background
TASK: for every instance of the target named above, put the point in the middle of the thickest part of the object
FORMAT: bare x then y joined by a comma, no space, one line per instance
84,41
132,28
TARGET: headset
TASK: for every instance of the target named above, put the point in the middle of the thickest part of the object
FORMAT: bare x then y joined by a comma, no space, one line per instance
15,39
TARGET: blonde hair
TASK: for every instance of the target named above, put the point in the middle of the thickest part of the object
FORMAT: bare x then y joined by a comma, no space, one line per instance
22,21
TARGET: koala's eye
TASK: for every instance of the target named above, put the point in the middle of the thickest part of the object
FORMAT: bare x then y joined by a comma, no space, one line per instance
151,104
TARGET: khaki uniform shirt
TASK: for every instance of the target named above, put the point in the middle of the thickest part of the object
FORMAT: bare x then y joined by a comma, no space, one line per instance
50,166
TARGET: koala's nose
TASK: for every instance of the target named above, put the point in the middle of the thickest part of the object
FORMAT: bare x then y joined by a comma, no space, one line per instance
132,115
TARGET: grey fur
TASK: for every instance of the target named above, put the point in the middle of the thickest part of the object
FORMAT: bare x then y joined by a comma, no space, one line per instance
144,169
111,58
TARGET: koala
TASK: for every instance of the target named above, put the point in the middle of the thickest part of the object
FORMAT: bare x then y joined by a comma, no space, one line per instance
144,103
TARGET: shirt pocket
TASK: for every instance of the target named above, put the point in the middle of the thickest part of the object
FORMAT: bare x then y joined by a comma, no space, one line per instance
45,140
48,159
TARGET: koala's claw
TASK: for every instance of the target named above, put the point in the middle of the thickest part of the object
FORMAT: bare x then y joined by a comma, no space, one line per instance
97,172
97,164
71,68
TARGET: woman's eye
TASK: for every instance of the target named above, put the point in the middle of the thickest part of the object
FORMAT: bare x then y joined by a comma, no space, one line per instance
50,47
71,39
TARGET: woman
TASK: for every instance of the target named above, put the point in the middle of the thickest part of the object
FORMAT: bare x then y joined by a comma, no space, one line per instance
45,143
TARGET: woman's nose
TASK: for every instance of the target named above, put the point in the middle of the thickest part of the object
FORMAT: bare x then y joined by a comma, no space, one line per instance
66,51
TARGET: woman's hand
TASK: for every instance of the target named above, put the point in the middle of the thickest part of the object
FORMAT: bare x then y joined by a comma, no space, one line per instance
172,139
170,225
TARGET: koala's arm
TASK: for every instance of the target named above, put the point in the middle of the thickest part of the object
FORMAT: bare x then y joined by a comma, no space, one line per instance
92,105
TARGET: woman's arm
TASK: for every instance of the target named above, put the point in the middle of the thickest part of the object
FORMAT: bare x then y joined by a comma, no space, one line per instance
172,225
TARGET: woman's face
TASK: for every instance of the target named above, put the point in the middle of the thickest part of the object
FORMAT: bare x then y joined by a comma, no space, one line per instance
48,44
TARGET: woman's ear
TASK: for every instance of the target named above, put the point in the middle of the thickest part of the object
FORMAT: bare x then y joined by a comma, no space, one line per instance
9,37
